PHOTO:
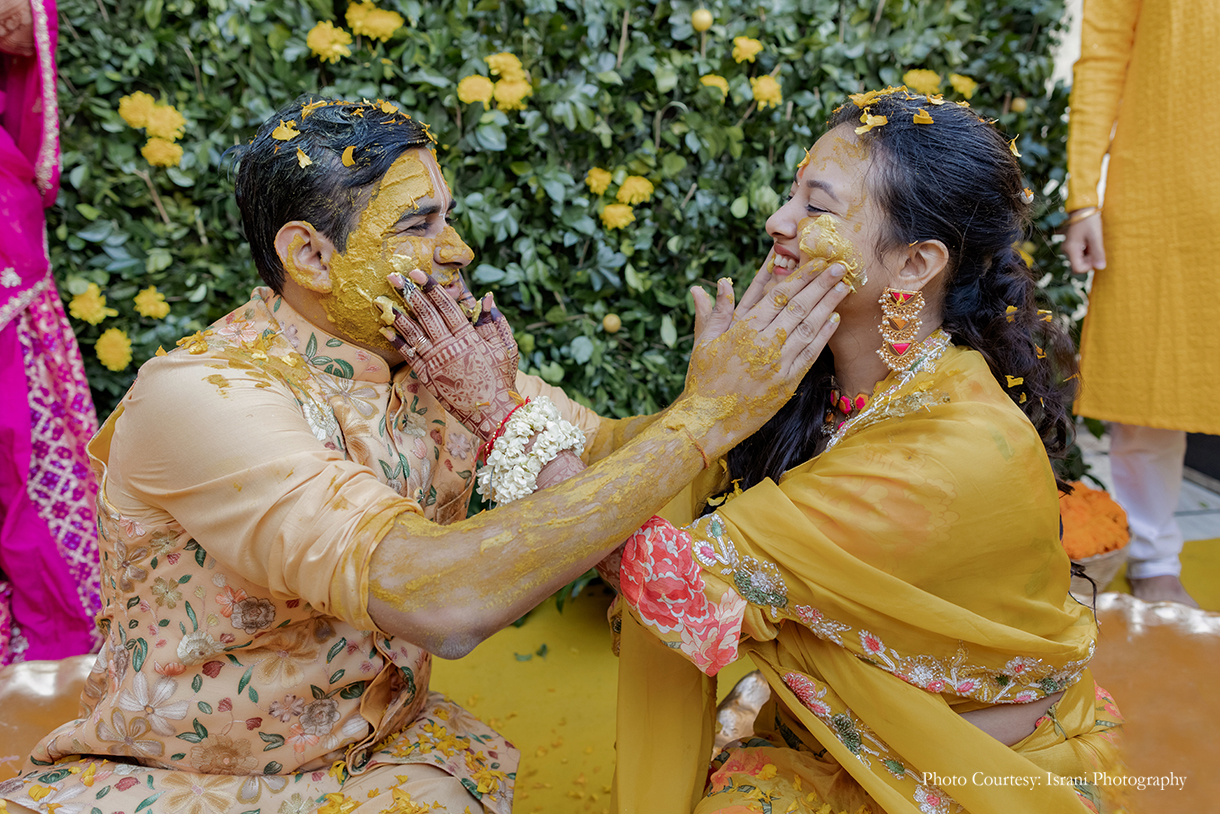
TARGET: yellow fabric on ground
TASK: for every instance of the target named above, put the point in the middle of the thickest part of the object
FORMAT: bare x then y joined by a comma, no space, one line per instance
1200,574
1149,352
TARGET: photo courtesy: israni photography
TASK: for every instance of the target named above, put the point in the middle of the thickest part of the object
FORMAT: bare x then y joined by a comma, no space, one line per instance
1170,782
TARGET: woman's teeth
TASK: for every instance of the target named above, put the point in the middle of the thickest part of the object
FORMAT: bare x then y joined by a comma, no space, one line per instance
782,262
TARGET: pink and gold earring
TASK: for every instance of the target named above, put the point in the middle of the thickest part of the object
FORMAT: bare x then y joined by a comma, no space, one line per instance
900,322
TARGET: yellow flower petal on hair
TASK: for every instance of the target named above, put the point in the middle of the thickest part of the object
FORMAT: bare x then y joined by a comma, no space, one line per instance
389,108
1012,147
1045,316
161,153
476,88
870,121
963,85
328,43
922,80
90,306
1013,381
286,131
746,48
312,106
767,91
348,155
1027,195
935,99
635,189
151,303
113,349
805,161
617,216
597,180
1010,313
863,100
1041,353
922,117
714,81
302,159
135,109
160,351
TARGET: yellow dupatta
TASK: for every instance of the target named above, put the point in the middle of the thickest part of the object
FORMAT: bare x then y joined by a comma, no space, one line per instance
911,571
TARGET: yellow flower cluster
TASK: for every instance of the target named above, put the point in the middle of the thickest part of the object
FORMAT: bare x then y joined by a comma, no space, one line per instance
635,189
714,81
597,180
745,49
963,85
113,349
922,80
162,123
151,303
90,306
476,88
328,43
367,20
767,91
617,216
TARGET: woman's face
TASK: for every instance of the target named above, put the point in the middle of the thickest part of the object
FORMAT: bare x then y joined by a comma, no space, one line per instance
831,188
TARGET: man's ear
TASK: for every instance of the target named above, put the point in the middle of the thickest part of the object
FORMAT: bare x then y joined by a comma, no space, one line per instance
305,254
925,264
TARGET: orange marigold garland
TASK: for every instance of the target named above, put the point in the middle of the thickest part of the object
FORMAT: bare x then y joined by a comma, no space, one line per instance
1092,523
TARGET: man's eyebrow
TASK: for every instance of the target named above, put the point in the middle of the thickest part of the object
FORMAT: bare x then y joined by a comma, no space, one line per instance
822,185
430,209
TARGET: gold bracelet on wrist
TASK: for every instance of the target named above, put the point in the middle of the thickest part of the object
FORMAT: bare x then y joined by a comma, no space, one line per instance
1082,214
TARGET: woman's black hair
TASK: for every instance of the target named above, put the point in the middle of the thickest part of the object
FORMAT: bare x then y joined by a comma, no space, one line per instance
957,181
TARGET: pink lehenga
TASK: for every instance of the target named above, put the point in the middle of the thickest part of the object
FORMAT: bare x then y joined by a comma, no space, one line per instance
49,590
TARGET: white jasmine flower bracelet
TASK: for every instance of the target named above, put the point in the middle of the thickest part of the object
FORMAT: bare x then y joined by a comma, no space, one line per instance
511,472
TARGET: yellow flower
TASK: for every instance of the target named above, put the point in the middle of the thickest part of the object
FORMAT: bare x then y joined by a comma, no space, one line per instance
90,306
135,109
634,190
617,216
921,80
338,803
510,93
151,303
745,49
285,130
161,153
767,92
370,21
164,121
505,66
597,180
113,349
922,117
328,43
714,81
1012,147
476,89
963,85
767,772
870,121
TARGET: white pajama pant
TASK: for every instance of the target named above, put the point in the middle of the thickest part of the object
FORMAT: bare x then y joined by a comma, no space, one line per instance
1146,466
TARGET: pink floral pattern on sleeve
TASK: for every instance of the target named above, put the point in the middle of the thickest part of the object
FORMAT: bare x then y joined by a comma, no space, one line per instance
663,585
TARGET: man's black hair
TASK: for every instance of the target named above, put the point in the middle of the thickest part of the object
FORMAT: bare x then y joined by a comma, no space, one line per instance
330,190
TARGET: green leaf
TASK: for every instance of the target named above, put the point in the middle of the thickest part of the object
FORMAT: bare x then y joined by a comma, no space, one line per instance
335,649
272,740
669,334
740,207
245,679
353,690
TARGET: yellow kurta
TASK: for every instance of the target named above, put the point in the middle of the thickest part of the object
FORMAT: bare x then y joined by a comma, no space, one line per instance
1150,348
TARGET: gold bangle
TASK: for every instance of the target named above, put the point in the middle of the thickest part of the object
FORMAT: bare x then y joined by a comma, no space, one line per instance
1083,214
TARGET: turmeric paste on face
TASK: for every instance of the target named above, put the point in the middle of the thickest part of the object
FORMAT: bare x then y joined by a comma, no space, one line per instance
820,239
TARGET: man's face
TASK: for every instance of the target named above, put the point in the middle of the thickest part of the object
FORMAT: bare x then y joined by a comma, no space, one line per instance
405,225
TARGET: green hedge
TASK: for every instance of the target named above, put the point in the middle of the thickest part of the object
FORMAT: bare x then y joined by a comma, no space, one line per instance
616,85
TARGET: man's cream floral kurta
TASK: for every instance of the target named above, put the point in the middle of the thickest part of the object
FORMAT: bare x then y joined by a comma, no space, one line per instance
247,478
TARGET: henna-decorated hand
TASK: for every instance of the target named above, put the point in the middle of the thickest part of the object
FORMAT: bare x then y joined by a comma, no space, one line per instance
472,370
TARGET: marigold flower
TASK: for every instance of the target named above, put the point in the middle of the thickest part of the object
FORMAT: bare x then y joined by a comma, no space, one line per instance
328,43
1092,522
151,303
505,66
714,81
90,306
511,93
164,121
161,153
617,216
113,349
136,108
767,92
476,89
921,80
963,85
745,49
635,189
597,179
368,20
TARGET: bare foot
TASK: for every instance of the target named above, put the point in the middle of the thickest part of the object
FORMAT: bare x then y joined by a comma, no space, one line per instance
1162,589
740,707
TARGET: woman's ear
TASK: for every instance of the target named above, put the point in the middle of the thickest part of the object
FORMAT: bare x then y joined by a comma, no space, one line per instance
305,254
925,263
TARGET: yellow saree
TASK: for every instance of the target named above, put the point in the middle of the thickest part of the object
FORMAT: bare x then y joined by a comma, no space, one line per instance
910,572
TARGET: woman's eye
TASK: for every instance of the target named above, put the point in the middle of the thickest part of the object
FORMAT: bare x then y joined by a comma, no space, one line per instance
812,208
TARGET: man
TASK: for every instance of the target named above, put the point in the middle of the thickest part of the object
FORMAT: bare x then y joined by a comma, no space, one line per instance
277,566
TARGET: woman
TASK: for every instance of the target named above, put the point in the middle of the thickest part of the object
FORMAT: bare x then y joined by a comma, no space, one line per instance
888,551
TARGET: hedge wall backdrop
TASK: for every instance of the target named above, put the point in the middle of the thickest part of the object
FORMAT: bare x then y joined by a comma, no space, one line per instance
604,154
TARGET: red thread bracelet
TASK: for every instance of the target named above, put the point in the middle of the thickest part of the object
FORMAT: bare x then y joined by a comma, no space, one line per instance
487,445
